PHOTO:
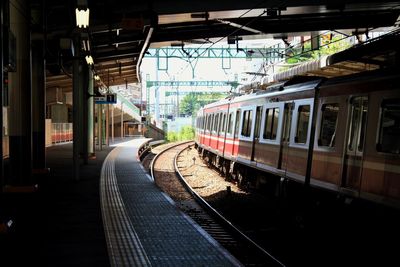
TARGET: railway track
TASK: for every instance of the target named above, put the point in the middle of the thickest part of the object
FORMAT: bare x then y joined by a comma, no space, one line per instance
165,172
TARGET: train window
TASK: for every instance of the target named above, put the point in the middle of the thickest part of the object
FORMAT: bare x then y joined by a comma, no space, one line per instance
359,106
389,131
328,125
246,123
223,126
303,118
214,122
199,123
271,123
237,119
230,123
219,123
216,119
210,122
258,122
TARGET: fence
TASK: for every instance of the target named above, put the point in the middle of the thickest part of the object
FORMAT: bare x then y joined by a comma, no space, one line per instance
61,132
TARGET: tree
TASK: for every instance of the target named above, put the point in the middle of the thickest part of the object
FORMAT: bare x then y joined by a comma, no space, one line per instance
193,101
189,104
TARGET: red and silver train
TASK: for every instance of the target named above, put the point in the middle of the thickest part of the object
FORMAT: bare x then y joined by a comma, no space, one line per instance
342,134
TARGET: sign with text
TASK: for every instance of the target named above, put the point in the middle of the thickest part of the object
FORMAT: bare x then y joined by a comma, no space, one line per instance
106,99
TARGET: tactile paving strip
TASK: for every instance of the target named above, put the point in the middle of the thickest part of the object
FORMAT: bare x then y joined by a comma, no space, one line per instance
124,246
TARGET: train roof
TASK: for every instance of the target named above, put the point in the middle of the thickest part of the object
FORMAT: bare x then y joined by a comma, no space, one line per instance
218,103
297,84
385,73
300,84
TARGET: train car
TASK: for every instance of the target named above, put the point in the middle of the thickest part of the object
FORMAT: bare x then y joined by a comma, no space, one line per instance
341,134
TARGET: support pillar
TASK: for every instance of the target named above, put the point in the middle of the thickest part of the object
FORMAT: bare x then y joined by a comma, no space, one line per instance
38,106
157,106
112,123
20,98
99,126
85,114
76,109
1,93
122,120
90,116
103,124
107,121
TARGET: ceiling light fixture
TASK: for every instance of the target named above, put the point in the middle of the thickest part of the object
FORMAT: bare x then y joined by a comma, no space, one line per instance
82,17
86,45
89,60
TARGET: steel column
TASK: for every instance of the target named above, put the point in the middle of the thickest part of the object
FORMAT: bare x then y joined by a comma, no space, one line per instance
112,123
38,105
90,115
20,98
122,120
85,79
1,93
76,109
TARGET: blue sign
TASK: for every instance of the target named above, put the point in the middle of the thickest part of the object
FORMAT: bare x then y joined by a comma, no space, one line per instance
106,99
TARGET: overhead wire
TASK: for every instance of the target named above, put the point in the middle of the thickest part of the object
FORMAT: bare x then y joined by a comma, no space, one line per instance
191,57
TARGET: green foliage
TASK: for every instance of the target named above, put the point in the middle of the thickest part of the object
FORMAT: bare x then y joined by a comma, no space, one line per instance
189,104
192,102
172,137
186,133
306,54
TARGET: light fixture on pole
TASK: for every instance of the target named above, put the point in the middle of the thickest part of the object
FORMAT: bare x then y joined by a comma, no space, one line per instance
82,17
89,60
86,45
97,77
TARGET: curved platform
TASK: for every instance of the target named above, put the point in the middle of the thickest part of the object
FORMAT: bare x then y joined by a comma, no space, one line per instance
143,226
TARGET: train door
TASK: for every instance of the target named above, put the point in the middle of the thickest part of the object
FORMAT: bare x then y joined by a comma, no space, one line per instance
228,141
285,139
210,127
235,146
256,136
353,159
215,140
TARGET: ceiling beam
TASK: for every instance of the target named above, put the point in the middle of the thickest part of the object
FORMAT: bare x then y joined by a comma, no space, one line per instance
273,25
126,53
114,64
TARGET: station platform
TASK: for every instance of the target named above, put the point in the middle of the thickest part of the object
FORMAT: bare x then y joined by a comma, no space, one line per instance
114,215
143,226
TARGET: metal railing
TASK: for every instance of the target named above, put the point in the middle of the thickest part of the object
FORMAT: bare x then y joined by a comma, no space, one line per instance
61,132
